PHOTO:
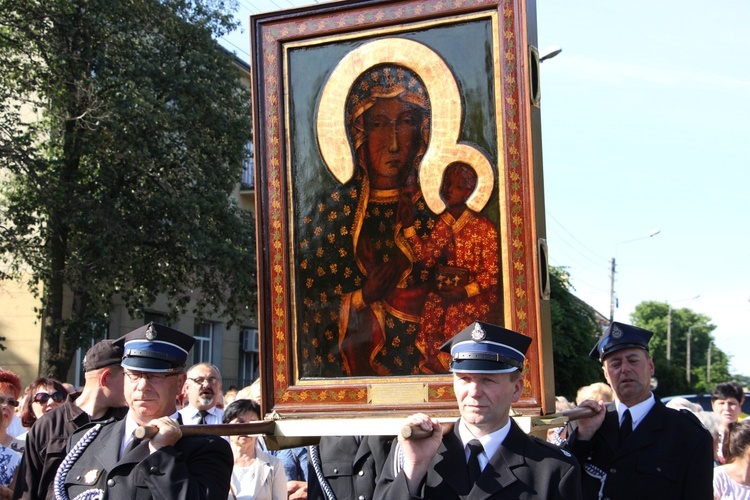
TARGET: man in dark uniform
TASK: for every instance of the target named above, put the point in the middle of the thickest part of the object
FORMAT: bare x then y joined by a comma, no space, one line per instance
639,448
100,400
486,455
169,465
347,466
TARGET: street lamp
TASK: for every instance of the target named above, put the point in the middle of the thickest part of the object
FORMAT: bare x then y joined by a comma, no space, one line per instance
653,233
669,328
549,52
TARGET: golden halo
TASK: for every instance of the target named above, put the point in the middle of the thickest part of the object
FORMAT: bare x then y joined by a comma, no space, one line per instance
445,99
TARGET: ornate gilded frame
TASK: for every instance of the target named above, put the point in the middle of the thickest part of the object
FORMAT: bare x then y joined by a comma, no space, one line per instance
294,55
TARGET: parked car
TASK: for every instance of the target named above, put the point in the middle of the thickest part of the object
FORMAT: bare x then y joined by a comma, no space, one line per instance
705,401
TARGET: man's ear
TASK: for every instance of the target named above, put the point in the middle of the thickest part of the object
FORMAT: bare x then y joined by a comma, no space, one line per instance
104,377
517,389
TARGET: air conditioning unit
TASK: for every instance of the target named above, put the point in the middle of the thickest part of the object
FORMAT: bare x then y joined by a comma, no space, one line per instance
250,340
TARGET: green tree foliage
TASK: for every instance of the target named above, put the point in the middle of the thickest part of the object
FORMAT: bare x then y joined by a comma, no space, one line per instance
118,184
574,333
672,376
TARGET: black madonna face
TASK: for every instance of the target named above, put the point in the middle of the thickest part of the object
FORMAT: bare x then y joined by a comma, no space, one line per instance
392,140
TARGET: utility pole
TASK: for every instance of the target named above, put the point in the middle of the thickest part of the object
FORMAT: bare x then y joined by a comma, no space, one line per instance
669,336
612,293
687,364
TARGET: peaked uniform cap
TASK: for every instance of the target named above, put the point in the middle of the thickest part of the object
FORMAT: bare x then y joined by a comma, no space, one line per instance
486,348
619,336
156,348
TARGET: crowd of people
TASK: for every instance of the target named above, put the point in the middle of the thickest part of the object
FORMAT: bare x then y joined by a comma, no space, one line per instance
57,443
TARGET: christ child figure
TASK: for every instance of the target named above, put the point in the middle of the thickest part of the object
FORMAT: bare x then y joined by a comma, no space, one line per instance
464,247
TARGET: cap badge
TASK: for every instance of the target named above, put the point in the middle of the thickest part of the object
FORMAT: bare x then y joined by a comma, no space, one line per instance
616,333
478,334
150,332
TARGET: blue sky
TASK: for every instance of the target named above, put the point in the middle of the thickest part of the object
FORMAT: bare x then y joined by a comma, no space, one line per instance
645,124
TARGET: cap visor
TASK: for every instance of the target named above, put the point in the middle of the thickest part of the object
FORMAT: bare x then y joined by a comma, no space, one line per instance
147,364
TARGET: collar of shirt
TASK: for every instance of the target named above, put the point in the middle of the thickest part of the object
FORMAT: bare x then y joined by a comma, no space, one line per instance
130,426
490,442
637,412
190,414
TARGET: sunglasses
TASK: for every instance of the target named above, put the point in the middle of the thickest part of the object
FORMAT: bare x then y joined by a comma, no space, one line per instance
9,401
43,397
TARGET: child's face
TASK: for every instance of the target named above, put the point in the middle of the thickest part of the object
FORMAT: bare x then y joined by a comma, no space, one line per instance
458,185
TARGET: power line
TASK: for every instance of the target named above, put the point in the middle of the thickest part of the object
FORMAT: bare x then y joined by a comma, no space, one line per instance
576,240
240,49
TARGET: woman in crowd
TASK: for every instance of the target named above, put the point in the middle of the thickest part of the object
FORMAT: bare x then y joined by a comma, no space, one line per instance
256,474
733,479
10,447
726,401
42,395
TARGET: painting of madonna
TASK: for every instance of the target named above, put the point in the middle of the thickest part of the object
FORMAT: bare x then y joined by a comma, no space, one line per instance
362,290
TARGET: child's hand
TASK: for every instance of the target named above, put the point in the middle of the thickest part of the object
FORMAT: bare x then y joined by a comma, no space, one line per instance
452,294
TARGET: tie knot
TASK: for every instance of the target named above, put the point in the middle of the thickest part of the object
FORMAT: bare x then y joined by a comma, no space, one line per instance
475,447
627,419
202,414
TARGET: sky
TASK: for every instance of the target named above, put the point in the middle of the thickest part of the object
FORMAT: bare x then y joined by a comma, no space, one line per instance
645,125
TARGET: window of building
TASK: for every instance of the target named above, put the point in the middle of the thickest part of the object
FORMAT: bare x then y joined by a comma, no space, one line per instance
248,356
204,337
97,332
248,174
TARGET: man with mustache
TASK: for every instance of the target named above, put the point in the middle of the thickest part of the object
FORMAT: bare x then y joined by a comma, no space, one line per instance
203,391
637,447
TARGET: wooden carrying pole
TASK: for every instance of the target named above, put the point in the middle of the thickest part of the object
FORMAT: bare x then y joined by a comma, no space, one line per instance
269,427
557,419
259,427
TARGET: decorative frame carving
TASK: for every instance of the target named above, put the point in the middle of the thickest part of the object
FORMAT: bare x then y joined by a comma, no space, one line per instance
483,45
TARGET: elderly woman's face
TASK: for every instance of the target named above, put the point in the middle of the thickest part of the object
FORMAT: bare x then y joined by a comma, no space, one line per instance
244,441
392,139
8,404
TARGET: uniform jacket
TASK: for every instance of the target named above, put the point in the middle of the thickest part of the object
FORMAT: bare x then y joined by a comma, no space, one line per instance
669,455
45,447
523,467
197,467
350,468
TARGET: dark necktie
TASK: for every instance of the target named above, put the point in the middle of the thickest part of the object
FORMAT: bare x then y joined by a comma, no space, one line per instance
203,414
626,427
475,448
132,445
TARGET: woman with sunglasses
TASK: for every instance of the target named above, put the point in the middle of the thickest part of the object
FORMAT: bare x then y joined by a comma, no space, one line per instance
10,448
42,395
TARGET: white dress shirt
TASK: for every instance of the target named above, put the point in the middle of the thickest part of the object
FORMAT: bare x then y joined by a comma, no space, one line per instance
190,415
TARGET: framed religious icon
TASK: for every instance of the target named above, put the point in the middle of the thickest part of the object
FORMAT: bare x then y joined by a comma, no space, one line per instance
398,201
